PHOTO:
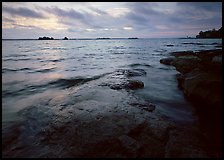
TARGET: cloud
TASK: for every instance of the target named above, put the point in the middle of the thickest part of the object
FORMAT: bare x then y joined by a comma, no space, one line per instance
8,20
22,11
71,13
118,12
139,19
127,28
205,6
98,11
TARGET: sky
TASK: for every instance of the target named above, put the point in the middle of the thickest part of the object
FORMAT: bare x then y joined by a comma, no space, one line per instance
108,19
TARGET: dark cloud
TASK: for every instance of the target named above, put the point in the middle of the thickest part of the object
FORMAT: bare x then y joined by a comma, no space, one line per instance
143,14
98,11
22,11
143,8
188,15
70,16
8,20
205,6
65,13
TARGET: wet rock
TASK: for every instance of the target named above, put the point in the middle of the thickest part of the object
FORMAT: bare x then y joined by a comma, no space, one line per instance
185,64
145,106
134,84
130,144
131,73
120,79
192,149
128,84
167,61
217,59
207,55
201,82
203,86
180,79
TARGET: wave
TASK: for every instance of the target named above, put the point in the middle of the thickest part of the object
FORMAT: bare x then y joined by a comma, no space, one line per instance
67,83
53,60
62,83
29,70
16,55
4,70
59,48
45,70
13,59
139,64
160,50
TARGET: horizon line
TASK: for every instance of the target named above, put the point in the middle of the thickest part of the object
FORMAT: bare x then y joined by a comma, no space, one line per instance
98,38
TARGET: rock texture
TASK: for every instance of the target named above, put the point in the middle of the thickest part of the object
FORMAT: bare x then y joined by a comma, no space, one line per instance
95,120
200,79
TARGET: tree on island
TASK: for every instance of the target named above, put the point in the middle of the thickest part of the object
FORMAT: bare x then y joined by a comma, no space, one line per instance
45,38
210,34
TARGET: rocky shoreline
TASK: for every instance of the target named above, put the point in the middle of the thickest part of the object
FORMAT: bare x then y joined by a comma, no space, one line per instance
200,78
105,118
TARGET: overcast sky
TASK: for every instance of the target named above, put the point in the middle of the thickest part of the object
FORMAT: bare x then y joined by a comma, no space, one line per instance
109,19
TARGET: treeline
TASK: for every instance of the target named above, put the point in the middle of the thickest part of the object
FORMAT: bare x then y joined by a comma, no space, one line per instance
210,34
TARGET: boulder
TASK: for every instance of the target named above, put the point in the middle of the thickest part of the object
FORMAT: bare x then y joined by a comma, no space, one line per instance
167,61
185,64
217,59
134,84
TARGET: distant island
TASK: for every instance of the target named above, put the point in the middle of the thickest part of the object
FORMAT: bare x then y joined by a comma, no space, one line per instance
65,38
210,34
133,38
45,38
102,38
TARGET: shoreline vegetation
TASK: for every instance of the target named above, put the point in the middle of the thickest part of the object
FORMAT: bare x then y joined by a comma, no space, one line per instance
210,34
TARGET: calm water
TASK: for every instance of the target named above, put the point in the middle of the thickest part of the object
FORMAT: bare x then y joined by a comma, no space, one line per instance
33,71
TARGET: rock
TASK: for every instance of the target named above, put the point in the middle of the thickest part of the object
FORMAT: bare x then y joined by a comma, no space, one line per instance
196,87
127,84
167,61
134,84
177,137
217,59
169,45
145,106
120,79
185,64
132,73
201,81
180,79
130,144
207,55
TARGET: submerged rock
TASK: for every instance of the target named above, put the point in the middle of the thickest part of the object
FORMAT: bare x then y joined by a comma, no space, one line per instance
132,73
134,84
145,106
120,79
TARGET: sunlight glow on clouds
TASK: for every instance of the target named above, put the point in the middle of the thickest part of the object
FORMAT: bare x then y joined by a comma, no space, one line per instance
118,12
106,19
127,28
